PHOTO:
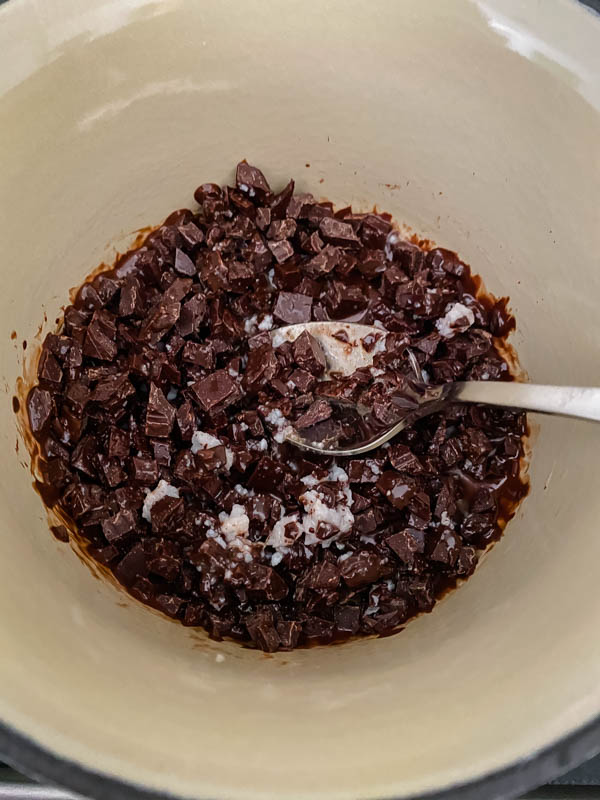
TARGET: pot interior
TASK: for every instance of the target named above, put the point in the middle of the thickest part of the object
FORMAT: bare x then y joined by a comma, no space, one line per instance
476,123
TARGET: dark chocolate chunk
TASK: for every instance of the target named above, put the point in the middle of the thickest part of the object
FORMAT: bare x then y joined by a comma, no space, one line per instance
281,229
116,528
167,515
184,264
145,470
261,368
160,414
250,179
132,566
402,459
396,488
322,576
218,389
100,337
324,262
186,421
281,249
309,354
362,568
336,232
191,316
405,544
318,411
347,619
446,549
262,630
289,633
49,370
203,355
60,533
39,409
112,393
292,308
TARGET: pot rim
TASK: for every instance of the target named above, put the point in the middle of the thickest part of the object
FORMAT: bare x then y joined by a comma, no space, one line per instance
24,754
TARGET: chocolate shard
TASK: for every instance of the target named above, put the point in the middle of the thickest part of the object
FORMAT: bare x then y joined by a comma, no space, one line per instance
184,264
217,389
405,544
49,370
117,528
100,337
39,409
261,368
317,412
161,319
133,565
337,232
261,628
396,488
446,549
347,619
112,393
160,414
281,229
186,420
292,307
308,354
193,313
362,568
145,470
322,576
324,262
191,234
404,460
289,633
251,180
281,249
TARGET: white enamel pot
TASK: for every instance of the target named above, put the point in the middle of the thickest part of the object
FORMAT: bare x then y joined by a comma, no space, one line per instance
475,122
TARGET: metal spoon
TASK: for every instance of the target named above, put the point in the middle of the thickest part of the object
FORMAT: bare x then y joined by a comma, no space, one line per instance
344,357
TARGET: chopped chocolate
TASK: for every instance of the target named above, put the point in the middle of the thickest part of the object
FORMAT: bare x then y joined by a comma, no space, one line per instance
186,421
405,544
100,337
318,411
216,389
281,249
118,527
39,409
336,232
291,308
362,568
49,370
184,264
397,489
250,179
145,470
160,414
162,407
308,354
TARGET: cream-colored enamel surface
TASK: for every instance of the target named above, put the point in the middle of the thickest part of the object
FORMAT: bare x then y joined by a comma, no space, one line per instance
476,123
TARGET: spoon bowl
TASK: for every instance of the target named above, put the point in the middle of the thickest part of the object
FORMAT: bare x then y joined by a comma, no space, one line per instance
349,346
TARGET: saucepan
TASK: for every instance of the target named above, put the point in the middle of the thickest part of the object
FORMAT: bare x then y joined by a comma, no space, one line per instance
474,122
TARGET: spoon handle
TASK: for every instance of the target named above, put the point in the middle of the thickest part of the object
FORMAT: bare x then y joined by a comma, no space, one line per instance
565,401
